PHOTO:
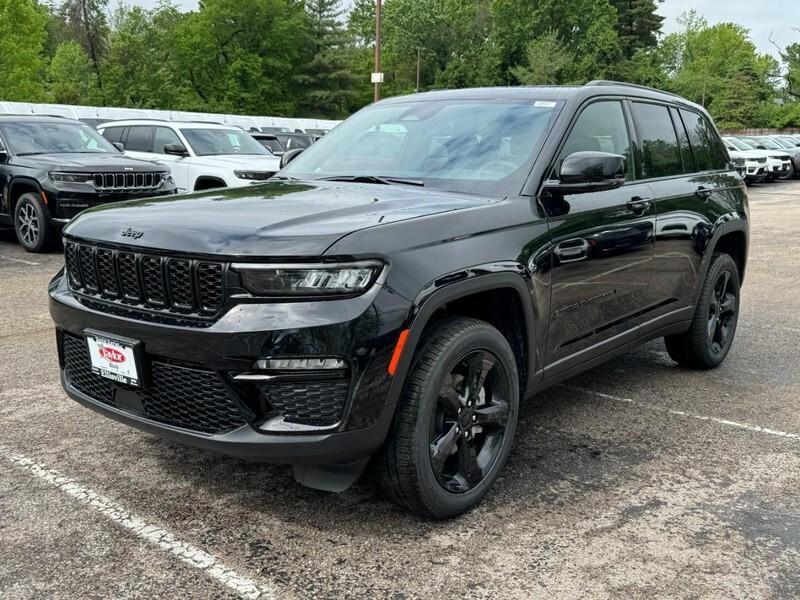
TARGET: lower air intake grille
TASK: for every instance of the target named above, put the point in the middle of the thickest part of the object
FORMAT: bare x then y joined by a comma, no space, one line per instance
317,403
194,399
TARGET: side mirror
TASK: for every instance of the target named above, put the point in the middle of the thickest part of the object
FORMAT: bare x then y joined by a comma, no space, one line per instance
176,150
119,146
289,156
3,156
761,147
583,172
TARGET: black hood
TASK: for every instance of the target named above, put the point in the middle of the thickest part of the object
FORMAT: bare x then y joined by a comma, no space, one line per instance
273,219
86,162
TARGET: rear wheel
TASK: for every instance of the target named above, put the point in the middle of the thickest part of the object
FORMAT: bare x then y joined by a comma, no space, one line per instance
32,224
456,421
707,342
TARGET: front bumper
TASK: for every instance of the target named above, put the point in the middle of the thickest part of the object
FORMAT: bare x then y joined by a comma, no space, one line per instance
67,204
362,330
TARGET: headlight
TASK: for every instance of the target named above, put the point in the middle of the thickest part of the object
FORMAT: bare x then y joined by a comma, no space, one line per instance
65,177
254,174
288,280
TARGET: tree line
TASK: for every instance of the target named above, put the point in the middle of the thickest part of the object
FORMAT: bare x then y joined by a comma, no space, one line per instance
310,58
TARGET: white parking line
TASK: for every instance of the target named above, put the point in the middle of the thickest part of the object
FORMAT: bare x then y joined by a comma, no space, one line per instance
19,260
189,554
681,413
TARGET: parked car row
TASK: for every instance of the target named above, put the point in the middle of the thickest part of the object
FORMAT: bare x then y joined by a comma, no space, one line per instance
765,157
52,168
97,115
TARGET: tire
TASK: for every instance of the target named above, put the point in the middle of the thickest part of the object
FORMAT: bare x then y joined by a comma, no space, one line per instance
440,413
32,225
708,341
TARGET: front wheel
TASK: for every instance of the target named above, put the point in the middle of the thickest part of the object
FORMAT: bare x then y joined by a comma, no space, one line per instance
455,424
707,342
32,223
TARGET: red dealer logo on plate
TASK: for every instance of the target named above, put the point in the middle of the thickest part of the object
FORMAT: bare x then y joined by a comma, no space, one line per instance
112,355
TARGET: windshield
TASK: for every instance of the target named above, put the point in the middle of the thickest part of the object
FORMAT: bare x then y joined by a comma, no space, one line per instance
271,144
213,142
291,142
55,138
782,142
480,146
768,143
738,144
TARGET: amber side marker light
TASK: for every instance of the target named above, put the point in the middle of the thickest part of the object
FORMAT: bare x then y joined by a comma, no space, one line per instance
398,351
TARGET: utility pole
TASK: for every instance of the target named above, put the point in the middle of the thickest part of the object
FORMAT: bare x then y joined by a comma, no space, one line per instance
419,60
377,76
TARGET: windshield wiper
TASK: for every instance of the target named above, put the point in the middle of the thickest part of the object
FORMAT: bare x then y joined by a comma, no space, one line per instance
382,179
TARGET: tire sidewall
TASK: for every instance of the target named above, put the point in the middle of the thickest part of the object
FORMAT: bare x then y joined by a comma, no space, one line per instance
44,222
440,501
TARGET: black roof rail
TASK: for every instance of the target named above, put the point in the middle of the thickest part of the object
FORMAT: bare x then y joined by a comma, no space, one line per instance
598,82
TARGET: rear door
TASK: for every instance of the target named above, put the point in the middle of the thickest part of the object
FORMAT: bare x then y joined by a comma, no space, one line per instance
686,165
602,247
138,142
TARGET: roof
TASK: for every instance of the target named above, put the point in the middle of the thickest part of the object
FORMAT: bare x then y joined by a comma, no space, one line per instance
179,124
549,92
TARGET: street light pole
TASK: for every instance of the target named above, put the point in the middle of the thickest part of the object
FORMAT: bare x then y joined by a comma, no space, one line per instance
377,76
419,59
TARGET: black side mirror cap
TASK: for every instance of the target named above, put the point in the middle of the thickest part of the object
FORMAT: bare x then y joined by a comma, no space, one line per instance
289,156
176,150
583,172
119,146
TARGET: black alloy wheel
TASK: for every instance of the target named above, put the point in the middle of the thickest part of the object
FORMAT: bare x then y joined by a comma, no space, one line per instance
455,421
710,335
469,422
32,224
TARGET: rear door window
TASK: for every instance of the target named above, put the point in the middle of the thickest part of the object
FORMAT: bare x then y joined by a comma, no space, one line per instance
709,154
113,134
661,155
139,139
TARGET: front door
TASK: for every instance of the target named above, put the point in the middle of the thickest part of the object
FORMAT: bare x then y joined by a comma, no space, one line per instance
602,244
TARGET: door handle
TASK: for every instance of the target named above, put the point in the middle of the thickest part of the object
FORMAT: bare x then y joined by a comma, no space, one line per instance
572,250
703,192
638,205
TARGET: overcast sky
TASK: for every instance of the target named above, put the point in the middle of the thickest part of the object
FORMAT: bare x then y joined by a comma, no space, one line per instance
761,17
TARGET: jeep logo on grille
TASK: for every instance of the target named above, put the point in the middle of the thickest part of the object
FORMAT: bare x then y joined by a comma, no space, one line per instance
132,233
112,355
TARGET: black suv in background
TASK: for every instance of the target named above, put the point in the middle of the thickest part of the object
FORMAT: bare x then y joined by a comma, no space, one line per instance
51,168
407,280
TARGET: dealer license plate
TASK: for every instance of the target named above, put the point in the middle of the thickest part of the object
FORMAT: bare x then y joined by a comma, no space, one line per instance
113,359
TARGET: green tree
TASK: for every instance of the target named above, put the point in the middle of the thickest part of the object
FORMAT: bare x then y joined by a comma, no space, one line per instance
240,56
327,83
141,69
71,77
719,67
22,37
638,25
546,61
86,23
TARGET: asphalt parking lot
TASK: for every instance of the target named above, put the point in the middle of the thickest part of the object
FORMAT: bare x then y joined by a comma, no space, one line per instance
636,479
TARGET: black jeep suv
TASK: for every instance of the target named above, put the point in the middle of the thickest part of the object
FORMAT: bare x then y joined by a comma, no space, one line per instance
52,168
407,280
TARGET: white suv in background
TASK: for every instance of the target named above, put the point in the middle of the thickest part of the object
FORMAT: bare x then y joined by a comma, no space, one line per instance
756,167
200,155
